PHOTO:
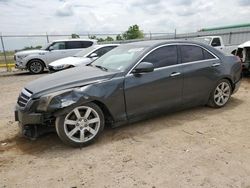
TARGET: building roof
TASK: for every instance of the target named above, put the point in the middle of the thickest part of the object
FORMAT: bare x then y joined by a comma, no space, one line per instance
226,27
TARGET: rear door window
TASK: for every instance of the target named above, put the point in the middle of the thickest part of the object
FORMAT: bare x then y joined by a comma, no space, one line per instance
190,53
207,55
163,56
74,44
86,44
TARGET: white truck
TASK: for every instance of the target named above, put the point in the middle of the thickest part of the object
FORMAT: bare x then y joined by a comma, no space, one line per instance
216,42
37,60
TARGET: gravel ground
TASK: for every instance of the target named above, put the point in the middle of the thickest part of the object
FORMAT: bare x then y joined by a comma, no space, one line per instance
199,147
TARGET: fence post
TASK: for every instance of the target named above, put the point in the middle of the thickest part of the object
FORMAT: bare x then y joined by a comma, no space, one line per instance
4,53
175,34
230,38
47,37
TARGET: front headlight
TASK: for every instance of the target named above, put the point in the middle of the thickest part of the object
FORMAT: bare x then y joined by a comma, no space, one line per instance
62,67
45,100
44,103
21,56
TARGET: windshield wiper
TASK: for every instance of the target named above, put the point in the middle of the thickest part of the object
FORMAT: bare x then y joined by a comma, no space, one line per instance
101,67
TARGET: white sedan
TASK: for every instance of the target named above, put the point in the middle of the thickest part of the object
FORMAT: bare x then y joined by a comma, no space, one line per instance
81,58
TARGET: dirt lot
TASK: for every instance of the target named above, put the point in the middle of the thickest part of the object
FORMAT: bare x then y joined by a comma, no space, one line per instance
200,147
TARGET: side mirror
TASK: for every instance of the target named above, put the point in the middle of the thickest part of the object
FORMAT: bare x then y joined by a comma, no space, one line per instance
143,67
51,48
93,55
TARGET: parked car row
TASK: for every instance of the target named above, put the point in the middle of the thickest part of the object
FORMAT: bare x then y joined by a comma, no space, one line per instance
78,49
81,58
126,84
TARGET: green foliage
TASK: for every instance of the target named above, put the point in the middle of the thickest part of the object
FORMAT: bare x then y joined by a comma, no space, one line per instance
75,36
119,37
109,39
101,39
31,47
92,37
133,32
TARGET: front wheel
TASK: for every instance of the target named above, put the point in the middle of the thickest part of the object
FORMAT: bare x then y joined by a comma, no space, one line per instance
36,67
221,94
81,126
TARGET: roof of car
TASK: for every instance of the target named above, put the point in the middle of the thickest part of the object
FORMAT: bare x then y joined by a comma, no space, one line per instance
161,42
78,39
244,45
103,45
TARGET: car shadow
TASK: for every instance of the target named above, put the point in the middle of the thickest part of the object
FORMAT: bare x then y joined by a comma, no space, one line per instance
25,73
51,142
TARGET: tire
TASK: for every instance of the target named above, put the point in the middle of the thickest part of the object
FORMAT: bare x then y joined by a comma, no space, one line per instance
36,66
220,94
75,129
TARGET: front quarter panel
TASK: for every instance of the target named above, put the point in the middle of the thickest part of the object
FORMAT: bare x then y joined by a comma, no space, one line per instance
110,93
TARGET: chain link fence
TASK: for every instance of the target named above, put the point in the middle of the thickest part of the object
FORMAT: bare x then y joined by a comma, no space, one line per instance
12,43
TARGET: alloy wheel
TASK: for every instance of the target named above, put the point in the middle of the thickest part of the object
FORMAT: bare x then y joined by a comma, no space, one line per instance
82,124
36,67
222,93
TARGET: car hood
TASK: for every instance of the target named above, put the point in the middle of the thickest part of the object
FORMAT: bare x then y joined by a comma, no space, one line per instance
28,52
75,61
70,78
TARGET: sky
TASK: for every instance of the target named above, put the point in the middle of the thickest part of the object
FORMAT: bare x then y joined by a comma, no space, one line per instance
115,16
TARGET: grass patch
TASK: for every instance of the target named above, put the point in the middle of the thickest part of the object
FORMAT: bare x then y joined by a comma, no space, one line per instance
8,53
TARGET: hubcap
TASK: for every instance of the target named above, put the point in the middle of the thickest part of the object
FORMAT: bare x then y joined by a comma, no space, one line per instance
36,67
82,124
222,93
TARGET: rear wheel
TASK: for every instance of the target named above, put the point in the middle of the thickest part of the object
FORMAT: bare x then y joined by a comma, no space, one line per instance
221,94
36,66
81,126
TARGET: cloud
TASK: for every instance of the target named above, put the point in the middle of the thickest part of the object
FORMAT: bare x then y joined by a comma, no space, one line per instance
244,2
184,2
65,10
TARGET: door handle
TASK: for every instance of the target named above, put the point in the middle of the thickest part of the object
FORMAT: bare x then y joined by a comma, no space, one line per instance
215,64
175,74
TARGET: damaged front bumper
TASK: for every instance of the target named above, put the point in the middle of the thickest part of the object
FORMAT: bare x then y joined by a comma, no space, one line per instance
32,125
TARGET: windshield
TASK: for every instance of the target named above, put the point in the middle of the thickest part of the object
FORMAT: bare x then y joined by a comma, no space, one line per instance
46,46
85,52
204,40
120,58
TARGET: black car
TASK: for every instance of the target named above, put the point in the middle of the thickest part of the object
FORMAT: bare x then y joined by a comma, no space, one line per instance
127,84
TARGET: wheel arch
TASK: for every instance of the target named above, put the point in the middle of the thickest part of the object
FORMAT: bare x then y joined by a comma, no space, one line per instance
230,81
106,112
107,115
38,59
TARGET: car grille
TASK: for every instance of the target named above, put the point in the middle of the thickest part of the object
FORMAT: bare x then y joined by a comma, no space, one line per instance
24,98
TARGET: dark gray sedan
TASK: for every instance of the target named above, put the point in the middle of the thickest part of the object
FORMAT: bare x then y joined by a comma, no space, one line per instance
127,84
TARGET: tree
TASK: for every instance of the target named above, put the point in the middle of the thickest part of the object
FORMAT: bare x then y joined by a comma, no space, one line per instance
92,37
119,37
133,32
75,36
100,40
31,47
109,38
